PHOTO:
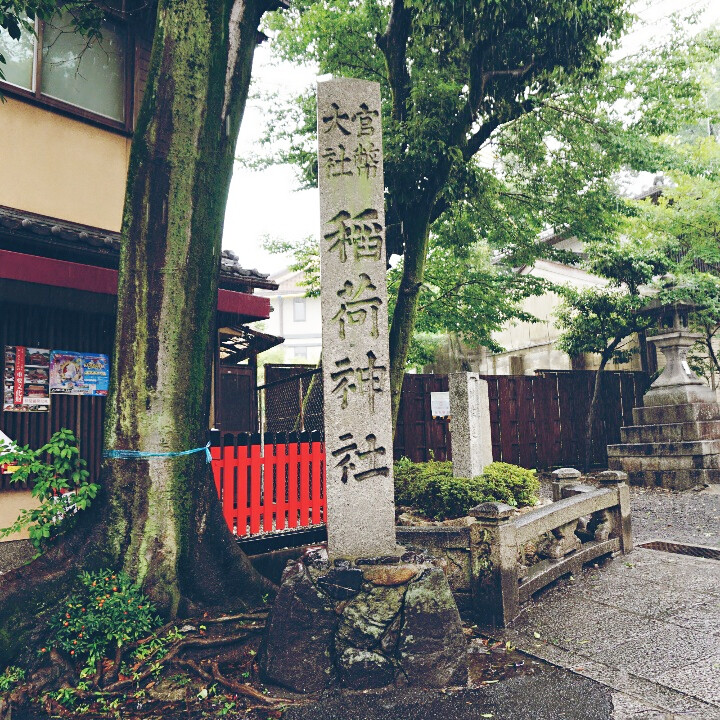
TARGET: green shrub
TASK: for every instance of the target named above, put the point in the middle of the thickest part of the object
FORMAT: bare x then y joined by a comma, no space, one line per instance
522,485
107,611
11,677
59,484
411,478
431,488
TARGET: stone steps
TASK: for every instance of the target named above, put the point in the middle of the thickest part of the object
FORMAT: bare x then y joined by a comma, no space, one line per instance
670,414
637,463
673,479
671,432
663,450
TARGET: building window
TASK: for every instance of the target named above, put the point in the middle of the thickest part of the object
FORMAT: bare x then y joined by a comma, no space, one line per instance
61,68
92,76
300,351
19,68
299,310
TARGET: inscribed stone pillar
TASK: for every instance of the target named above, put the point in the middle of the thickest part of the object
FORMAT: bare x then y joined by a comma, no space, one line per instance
470,424
356,364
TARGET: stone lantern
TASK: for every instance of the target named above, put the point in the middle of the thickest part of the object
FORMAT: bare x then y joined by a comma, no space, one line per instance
677,384
675,439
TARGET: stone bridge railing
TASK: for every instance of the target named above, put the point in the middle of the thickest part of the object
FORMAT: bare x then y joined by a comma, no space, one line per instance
497,561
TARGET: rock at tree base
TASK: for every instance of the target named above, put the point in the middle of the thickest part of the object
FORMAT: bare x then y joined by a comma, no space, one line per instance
299,635
405,632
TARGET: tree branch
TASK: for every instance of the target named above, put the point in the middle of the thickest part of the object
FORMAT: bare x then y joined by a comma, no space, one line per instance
477,140
393,43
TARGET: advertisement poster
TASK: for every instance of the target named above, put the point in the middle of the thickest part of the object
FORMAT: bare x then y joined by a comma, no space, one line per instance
74,373
25,379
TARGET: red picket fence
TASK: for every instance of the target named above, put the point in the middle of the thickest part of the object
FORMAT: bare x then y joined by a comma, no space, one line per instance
272,486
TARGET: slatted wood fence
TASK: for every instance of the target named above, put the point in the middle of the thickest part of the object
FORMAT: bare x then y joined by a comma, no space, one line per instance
271,486
537,421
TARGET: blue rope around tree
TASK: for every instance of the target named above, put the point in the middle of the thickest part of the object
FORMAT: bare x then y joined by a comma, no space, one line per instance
140,455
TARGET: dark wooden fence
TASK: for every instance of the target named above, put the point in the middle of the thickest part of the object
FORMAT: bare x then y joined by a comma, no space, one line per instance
536,421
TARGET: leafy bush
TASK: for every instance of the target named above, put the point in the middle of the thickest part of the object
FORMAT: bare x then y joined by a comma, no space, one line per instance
431,488
11,677
108,610
522,485
60,485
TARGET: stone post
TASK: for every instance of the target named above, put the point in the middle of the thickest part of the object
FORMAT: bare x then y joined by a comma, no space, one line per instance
494,571
470,424
356,363
560,478
623,516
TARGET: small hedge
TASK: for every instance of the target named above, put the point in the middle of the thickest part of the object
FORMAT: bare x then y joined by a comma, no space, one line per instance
431,488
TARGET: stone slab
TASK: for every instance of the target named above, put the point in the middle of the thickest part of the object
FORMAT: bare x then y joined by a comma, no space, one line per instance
665,414
665,449
470,424
699,678
681,479
671,432
663,648
356,361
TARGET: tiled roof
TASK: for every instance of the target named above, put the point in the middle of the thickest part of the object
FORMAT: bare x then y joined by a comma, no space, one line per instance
17,220
229,264
73,234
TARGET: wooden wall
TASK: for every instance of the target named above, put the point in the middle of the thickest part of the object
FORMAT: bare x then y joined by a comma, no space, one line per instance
60,328
536,421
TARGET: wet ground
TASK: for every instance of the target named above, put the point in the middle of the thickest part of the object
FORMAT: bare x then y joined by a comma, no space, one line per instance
504,684
646,625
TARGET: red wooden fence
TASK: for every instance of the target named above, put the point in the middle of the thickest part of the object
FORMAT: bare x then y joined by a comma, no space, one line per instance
269,487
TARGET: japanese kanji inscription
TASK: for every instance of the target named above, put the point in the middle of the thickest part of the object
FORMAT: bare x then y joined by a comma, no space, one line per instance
358,426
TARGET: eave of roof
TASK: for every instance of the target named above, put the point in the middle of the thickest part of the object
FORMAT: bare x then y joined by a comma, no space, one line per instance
63,240
244,307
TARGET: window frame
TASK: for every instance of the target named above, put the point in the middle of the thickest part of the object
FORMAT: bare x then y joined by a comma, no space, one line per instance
299,303
36,97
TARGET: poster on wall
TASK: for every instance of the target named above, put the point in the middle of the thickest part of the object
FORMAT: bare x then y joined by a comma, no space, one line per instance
74,373
25,379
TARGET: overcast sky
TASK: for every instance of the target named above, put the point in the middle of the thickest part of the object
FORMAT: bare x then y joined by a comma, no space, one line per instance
267,202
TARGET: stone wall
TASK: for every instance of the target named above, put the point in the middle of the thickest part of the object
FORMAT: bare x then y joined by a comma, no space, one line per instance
501,558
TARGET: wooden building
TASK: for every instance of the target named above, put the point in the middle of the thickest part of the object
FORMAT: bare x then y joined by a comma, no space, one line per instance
68,120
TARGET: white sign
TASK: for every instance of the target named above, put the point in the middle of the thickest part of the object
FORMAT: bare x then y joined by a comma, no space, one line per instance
686,368
440,404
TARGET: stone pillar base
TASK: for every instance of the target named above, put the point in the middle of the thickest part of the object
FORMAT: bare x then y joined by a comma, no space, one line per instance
364,624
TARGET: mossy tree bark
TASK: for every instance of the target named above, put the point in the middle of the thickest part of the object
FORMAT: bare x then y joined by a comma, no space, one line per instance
159,519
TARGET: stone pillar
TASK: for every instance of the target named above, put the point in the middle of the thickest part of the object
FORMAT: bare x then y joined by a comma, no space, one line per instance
494,565
470,424
618,479
560,478
356,364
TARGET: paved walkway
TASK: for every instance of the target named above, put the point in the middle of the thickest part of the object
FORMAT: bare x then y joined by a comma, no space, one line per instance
647,625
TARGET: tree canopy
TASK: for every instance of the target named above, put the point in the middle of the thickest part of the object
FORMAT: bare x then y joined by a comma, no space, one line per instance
451,75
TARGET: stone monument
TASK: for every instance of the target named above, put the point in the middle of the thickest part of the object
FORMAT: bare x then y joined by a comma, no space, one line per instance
356,361
675,441
362,613
469,424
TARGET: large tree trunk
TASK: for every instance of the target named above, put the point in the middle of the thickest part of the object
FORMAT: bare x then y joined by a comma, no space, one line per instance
592,412
416,232
159,523
159,519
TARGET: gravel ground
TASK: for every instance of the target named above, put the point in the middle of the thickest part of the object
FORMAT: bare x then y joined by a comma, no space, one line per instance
690,516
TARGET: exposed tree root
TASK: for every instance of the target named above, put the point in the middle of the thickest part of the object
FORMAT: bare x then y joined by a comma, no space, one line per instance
206,644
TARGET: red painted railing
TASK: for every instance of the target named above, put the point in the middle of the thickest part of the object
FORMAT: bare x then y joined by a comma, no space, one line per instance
279,485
